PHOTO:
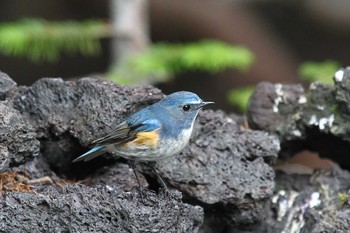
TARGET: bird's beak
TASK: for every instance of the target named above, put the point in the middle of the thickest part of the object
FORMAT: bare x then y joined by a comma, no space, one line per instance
201,105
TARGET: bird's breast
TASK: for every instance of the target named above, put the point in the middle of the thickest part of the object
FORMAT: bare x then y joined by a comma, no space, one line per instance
174,145
151,146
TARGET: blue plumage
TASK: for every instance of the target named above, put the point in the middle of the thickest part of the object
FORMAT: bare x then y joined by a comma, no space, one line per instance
93,153
155,132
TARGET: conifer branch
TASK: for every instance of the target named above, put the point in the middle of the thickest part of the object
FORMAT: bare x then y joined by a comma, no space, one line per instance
40,40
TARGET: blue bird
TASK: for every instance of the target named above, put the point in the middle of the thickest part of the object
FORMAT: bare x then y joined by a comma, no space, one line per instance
156,132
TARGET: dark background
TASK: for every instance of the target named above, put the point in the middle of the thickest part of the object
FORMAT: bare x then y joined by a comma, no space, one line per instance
282,35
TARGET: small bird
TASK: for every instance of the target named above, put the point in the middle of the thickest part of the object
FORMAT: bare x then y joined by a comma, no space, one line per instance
156,132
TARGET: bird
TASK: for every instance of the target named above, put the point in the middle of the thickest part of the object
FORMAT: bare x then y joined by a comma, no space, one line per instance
156,132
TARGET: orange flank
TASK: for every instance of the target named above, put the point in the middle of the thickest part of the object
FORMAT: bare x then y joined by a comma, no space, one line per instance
145,139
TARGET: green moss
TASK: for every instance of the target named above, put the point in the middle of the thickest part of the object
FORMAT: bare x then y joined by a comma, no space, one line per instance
343,198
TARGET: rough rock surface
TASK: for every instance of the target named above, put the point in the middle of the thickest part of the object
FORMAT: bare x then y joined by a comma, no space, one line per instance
18,142
78,208
69,114
312,119
309,203
274,107
225,168
7,85
219,166
36,168
82,109
119,174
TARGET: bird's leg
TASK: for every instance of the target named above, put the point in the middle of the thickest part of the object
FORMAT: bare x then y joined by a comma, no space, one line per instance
154,169
132,165
166,191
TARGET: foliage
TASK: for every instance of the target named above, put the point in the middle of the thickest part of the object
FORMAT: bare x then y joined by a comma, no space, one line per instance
322,71
161,61
240,97
343,199
40,40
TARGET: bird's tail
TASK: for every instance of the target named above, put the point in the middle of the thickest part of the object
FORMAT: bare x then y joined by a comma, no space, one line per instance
91,154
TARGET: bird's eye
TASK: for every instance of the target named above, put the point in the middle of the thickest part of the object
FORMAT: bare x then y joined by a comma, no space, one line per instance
186,107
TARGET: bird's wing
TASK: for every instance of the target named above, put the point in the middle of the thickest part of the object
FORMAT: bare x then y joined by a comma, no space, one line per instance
127,131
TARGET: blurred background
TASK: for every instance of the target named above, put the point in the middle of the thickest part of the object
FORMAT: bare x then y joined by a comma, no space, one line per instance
219,49
279,37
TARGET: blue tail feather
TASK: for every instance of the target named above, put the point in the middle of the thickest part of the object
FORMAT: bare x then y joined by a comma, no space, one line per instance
93,153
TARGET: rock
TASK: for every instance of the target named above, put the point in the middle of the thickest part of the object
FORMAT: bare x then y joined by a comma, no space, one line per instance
226,167
342,88
119,174
67,115
17,137
309,203
276,108
36,168
7,86
82,109
306,120
78,208
18,143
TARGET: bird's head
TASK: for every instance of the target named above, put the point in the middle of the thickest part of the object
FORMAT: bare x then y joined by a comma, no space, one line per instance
182,106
